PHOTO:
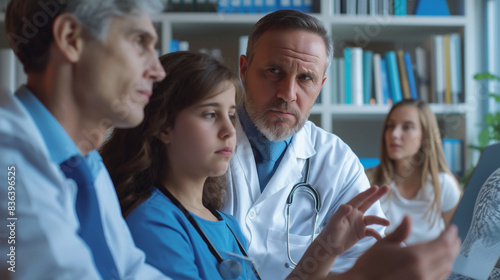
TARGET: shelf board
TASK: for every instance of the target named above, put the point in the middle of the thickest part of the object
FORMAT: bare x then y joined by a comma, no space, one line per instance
189,17
408,28
380,111
410,20
363,28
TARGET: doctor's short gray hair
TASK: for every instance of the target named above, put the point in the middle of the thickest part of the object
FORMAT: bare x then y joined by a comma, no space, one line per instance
289,20
28,23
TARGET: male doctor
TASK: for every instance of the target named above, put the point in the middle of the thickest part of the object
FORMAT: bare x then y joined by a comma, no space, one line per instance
283,71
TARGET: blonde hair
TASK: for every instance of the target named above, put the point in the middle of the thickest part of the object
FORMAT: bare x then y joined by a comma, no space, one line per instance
429,157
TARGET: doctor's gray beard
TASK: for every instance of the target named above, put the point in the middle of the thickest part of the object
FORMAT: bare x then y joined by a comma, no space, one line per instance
276,130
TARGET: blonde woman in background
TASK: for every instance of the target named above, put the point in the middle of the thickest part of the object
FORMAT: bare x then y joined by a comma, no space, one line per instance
413,165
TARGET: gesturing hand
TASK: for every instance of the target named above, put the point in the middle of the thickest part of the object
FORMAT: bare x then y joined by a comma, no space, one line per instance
349,225
346,227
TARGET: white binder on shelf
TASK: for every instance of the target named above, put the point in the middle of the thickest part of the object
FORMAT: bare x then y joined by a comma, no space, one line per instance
8,69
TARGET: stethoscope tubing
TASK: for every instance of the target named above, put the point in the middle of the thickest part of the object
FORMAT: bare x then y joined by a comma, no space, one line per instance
305,187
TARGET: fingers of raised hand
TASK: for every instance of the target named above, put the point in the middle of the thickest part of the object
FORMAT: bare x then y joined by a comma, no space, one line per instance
361,198
376,220
373,198
365,200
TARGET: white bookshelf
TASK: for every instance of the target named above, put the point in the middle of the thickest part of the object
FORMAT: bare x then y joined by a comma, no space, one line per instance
355,124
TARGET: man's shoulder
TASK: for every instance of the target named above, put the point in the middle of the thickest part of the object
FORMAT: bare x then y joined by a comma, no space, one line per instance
14,119
20,139
17,129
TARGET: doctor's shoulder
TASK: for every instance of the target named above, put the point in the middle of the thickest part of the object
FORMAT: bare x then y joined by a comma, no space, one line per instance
324,140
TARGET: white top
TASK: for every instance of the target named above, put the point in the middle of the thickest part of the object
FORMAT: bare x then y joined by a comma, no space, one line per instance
396,207
336,174
47,245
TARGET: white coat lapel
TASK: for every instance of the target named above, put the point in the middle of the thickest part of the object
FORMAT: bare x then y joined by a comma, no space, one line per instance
243,168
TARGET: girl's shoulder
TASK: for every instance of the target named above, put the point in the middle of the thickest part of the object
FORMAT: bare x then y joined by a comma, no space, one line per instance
447,180
157,208
229,219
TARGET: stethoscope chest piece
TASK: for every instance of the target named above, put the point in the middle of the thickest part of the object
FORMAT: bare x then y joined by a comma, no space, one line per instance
229,269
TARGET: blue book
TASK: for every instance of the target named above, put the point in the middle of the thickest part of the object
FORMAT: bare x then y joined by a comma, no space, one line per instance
174,45
400,7
393,74
453,154
235,6
385,82
411,76
247,7
347,75
223,6
259,6
432,8
308,6
285,5
369,162
367,76
271,5
298,5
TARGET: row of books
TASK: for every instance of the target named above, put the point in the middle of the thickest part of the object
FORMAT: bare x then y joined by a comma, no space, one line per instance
191,6
390,7
370,7
266,6
11,70
363,77
241,6
445,56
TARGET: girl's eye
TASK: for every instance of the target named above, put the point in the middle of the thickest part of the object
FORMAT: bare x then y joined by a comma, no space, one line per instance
209,115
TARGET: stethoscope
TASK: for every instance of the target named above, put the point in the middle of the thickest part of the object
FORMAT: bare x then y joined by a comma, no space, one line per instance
305,187
228,268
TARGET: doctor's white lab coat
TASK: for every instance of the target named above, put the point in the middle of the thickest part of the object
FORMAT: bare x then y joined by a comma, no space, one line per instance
335,173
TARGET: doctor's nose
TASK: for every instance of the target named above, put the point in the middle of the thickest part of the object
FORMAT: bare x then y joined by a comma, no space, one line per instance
287,90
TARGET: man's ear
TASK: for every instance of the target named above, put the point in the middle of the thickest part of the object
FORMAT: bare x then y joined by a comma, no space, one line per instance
68,35
243,67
